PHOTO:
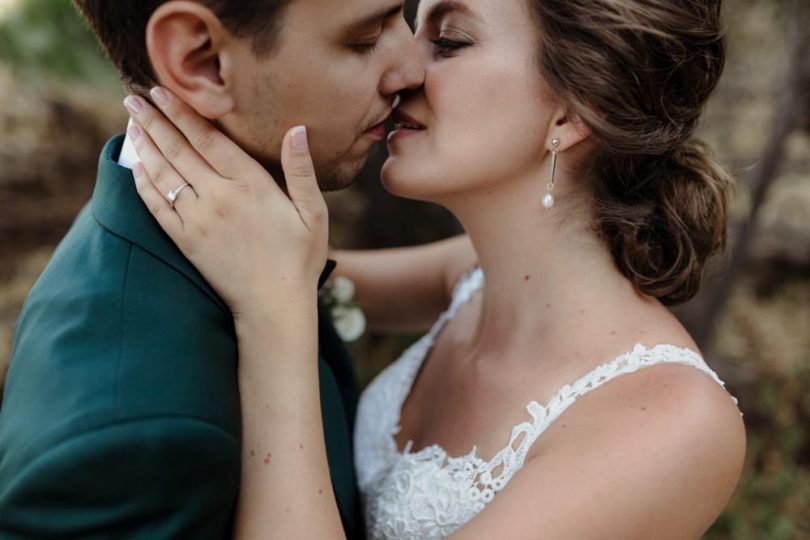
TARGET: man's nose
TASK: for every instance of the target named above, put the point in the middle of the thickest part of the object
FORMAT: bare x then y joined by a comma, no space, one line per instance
408,69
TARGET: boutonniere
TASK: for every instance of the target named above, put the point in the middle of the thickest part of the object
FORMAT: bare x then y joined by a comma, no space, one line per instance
348,318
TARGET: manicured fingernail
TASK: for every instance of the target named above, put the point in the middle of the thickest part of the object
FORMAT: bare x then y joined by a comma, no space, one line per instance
299,139
160,96
137,170
134,132
134,105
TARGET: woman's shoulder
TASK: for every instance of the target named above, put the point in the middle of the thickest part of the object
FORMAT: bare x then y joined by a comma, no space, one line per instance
662,446
673,385
674,432
665,378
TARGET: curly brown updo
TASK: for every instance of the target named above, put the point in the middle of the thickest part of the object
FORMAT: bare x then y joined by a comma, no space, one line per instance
638,73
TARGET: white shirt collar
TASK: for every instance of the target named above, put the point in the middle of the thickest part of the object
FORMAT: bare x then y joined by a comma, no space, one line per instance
128,157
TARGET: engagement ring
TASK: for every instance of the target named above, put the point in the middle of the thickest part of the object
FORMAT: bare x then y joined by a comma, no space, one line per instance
173,194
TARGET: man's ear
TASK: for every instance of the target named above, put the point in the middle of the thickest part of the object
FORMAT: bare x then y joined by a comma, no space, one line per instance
569,128
185,43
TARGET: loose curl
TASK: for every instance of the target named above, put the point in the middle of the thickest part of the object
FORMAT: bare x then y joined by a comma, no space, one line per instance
638,73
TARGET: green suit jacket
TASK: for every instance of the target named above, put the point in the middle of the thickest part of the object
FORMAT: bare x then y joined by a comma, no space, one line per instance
121,411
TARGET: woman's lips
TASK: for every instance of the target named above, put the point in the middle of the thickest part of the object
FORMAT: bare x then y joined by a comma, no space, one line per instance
402,132
404,126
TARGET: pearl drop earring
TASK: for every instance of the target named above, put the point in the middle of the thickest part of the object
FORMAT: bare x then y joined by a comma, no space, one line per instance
548,200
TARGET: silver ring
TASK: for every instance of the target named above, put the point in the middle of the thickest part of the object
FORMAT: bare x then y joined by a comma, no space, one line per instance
173,194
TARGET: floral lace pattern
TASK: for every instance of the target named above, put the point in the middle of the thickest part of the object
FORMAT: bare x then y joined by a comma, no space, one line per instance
429,494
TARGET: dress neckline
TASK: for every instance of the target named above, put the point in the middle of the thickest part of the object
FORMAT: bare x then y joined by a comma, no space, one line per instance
467,286
534,408
428,493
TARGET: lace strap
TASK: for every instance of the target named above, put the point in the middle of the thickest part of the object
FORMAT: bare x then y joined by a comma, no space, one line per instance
468,284
511,458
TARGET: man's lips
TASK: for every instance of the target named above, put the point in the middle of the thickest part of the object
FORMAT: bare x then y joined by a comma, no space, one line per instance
377,131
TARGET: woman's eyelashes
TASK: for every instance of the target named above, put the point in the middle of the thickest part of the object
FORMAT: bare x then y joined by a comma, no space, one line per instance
447,46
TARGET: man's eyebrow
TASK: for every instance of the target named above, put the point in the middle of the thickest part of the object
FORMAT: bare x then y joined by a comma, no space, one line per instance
377,17
440,9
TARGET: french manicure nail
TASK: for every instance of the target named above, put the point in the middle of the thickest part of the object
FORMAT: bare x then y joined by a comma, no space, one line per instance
299,139
133,104
134,132
160,96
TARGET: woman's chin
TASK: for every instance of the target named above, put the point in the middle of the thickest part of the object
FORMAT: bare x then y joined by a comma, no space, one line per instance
399,178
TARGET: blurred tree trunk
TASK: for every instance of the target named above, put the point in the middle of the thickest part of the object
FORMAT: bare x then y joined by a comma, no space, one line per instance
793,113
391,221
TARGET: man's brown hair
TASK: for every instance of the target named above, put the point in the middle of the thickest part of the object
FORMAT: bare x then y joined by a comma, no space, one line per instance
121,29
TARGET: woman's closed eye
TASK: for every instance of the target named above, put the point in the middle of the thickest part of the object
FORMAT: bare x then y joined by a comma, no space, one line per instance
446,46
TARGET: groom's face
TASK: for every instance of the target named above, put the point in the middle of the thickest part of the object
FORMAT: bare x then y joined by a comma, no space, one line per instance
336,67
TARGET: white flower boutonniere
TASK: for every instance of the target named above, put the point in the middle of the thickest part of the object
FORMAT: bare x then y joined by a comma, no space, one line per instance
347,316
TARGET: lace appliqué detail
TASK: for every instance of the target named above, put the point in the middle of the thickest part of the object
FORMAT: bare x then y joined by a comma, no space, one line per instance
429,494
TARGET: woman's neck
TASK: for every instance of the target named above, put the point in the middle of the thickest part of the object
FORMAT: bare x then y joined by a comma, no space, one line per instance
548,277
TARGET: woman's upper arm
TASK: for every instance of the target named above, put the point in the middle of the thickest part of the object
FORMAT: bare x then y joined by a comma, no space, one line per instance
405,289
660,469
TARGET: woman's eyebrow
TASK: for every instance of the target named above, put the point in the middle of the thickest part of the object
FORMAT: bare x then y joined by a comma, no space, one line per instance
440,9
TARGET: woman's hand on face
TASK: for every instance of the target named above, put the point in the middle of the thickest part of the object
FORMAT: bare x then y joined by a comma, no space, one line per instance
253,243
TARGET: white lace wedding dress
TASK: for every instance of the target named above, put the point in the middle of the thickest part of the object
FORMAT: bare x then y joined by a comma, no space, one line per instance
428,494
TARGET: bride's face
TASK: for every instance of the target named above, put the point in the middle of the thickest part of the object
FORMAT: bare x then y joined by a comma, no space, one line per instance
484,107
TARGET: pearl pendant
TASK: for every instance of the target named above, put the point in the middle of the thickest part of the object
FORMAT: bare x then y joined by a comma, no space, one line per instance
548,201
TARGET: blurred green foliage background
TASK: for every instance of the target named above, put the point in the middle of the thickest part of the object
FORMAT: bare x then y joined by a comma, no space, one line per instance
44,36
60,100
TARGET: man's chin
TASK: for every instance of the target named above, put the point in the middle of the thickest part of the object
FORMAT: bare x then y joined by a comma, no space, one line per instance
331,177
337,176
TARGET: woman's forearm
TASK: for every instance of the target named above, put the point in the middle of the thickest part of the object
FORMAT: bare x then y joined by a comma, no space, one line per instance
405,289
286,490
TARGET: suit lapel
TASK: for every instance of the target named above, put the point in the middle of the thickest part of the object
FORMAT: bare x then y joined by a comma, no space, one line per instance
118,208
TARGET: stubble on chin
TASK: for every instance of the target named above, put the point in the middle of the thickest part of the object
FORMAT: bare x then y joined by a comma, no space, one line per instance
334,172
335,176
338,164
